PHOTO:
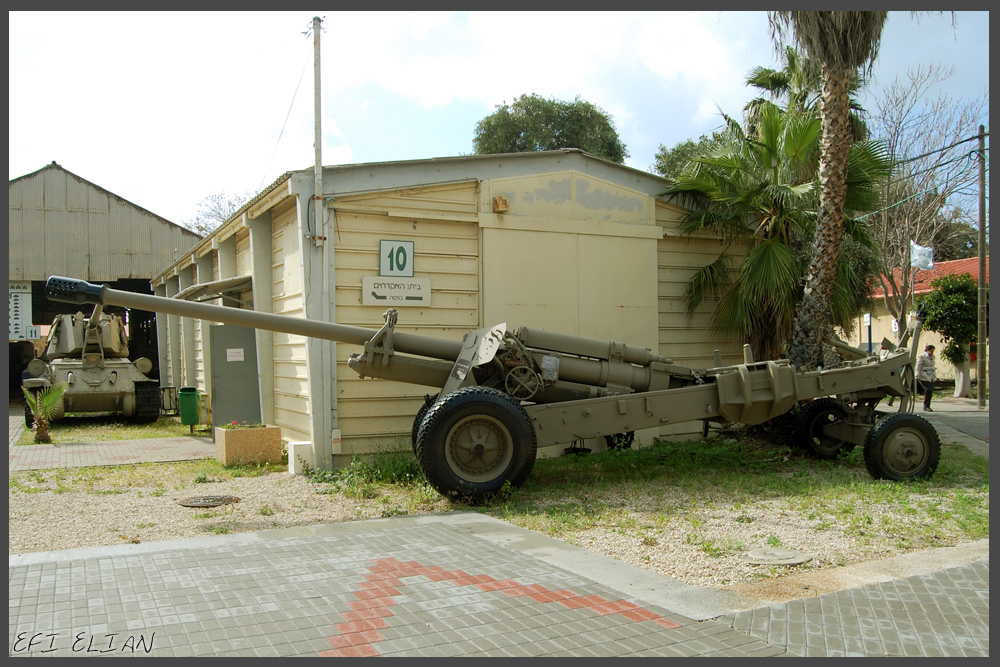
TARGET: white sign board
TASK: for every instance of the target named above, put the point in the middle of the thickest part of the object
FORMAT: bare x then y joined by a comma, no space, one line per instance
395,292
18,309
868,319
234,354
395,259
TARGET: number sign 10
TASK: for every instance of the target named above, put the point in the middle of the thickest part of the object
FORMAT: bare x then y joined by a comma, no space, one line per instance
396,258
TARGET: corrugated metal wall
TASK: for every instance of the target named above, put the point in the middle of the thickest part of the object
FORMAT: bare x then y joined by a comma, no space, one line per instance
291,385
440,222
60,224
686,339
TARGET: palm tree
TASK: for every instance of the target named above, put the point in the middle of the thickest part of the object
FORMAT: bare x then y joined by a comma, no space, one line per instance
43,406
842,43
796,87
762,191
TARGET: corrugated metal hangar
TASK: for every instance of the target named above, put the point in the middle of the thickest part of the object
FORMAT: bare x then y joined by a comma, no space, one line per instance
61,224
555,240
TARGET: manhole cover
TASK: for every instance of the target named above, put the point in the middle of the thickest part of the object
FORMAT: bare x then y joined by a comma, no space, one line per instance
778,557
208,501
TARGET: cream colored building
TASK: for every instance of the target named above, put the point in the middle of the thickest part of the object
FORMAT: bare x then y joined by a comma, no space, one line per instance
558,240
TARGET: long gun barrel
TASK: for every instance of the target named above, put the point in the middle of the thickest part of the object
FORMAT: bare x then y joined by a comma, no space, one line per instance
80,291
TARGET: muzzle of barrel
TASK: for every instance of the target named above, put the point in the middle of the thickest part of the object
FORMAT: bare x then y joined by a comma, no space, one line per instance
71,290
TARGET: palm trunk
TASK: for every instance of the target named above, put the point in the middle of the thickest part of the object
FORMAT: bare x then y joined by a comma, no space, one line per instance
813,319
42,436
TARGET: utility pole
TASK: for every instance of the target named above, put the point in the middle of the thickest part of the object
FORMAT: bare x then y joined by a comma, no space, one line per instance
318,230
983,315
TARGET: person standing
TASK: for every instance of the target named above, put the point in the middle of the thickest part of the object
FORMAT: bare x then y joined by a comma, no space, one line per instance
925,376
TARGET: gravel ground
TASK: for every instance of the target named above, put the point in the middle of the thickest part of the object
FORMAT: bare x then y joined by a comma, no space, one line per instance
704,545
50,521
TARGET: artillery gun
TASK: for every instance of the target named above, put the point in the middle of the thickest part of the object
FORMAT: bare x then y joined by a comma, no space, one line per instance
90,354
503,394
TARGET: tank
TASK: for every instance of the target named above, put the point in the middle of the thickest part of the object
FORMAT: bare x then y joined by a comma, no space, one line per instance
90,354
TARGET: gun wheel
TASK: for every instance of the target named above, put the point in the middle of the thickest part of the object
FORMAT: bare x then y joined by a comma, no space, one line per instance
421,413
474,441
29,418
809,428
902,447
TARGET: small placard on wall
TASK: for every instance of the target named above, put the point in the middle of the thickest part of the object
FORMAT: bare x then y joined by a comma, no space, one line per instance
234,354
395,292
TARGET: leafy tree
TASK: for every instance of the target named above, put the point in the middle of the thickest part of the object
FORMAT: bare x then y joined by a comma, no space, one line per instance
952,310
763,191
671,161
43,405
534,123
956,239
214,210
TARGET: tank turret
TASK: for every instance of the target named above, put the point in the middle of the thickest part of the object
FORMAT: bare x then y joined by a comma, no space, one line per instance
78,335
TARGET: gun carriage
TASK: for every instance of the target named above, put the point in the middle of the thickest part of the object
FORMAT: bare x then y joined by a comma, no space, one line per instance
503,394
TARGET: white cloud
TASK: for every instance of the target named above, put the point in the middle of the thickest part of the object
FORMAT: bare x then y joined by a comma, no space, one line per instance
337,154
166,108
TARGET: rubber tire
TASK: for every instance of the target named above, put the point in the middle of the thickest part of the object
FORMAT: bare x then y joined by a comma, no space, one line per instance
29,418
808,433
428,402
620,441
879,445
462,404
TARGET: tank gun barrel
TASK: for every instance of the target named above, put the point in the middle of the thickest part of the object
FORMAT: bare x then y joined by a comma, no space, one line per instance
71,290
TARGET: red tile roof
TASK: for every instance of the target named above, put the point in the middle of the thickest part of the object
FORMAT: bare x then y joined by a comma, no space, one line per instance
922,282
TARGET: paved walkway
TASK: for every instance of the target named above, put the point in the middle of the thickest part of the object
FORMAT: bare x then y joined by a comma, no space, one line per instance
113,452
456,584
943,613
959,420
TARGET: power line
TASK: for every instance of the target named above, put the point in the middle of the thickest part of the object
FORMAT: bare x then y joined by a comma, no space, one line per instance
934,189
967,156
285,124
974,137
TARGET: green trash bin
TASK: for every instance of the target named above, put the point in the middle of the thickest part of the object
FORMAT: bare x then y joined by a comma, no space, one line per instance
189,400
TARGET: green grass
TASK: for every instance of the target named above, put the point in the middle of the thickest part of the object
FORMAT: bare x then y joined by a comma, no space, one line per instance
100,429
566,496
623,490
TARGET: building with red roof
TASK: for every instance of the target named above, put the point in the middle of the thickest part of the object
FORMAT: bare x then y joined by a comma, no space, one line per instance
883,325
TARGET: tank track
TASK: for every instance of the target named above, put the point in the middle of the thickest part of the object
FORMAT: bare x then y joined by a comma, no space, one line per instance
147,402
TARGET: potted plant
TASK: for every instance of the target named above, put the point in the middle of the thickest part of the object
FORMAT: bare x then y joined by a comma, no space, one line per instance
237,443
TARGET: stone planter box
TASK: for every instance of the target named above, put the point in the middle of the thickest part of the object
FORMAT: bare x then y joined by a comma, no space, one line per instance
234,446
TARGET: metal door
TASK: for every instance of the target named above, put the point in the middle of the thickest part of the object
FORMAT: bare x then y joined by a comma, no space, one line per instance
235,384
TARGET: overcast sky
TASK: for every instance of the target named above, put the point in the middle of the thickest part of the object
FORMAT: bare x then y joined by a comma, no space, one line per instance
165,109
